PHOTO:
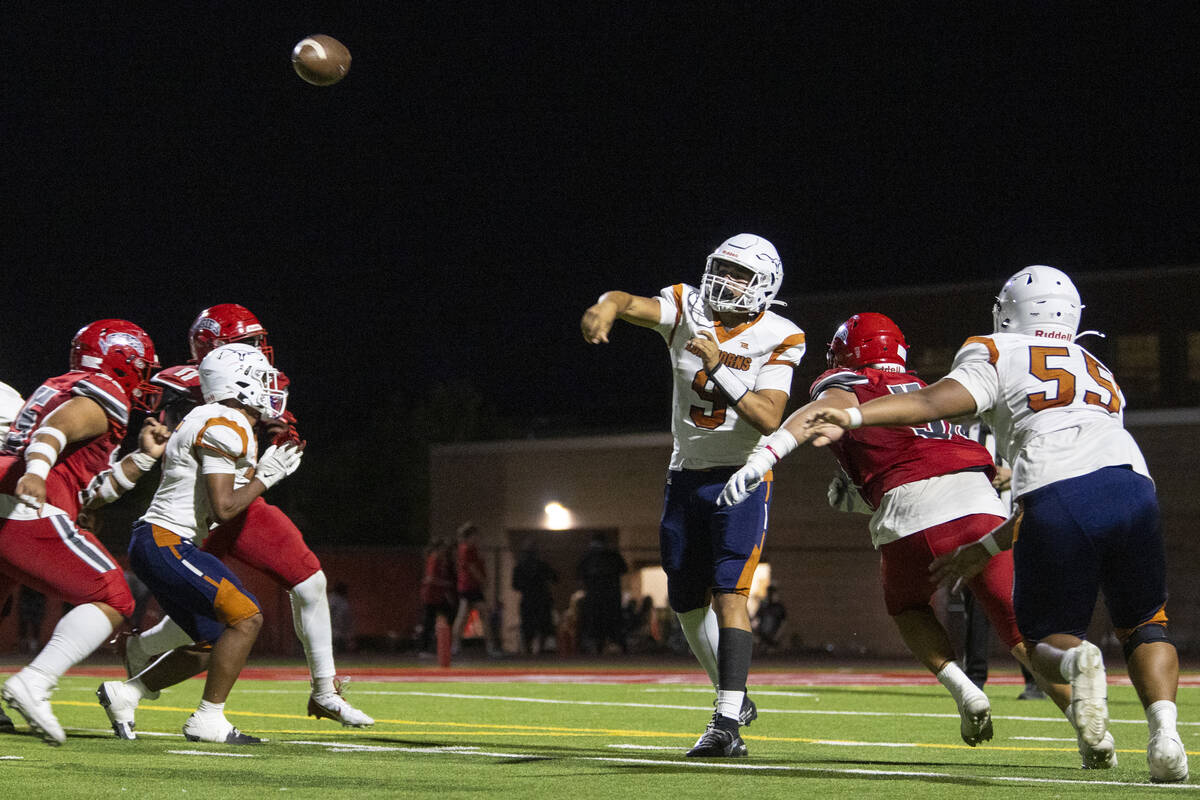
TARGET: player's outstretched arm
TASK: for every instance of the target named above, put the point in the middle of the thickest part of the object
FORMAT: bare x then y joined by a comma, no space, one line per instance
945,399
598,320
110,484
778,444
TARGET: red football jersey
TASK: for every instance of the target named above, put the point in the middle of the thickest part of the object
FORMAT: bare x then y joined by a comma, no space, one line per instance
879,459
79,462
468,555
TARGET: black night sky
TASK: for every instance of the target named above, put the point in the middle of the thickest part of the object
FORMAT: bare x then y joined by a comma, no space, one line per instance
443,216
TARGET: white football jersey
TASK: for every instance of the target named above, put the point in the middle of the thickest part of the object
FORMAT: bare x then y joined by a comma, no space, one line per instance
1056,411
211,439
763,353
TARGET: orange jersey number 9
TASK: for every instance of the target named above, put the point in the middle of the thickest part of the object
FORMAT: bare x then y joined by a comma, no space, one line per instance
714,398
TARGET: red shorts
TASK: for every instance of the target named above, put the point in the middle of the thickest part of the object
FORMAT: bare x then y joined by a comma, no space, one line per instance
54,557
263,537
904,566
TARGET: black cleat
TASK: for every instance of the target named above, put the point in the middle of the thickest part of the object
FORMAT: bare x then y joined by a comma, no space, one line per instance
6,724
717,742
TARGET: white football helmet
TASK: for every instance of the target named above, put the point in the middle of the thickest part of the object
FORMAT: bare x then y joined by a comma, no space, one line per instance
724,293
1038,299
242,372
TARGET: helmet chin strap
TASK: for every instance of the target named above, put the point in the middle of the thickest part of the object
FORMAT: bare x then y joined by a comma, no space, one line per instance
1082,334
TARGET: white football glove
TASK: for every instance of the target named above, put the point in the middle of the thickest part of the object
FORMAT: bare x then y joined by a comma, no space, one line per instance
746,480
276,463
844,496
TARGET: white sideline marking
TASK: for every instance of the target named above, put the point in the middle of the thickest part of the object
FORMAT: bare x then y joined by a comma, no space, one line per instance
12,758
756,692
826,712
658,762
207,753
643,747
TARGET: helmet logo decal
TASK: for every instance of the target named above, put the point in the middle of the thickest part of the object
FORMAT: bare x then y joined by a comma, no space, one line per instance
121,339
209,324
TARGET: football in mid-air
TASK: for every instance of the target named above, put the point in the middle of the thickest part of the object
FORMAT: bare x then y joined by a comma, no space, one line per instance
321,60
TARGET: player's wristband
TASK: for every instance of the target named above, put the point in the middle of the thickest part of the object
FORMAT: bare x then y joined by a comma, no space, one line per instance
38,467
989,544
143,461
43,449
53,433
730,385
855,418
780,443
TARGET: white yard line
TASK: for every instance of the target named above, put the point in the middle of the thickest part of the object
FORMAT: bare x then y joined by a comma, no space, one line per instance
211,753
751,767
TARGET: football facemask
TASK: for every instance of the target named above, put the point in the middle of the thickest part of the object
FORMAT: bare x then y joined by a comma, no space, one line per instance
742,276
241,372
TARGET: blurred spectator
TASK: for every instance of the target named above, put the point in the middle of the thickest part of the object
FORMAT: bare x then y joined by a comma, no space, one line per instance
532,578
31,610
768,620
341,618
438,595
472,576
600,622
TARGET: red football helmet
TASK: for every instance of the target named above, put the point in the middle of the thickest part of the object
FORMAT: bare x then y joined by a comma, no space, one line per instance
224,324
865,340
123,352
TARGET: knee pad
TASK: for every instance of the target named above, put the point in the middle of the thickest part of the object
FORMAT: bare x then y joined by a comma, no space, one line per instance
1150,632
311,589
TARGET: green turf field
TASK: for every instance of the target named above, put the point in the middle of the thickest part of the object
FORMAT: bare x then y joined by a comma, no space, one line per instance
568,740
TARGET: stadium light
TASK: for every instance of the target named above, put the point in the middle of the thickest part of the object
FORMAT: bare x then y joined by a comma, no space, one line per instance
558,516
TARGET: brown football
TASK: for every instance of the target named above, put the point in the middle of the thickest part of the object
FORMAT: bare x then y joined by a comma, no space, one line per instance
321,60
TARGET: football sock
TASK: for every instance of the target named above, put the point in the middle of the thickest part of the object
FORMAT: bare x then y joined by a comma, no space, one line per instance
957,683
1162,715
700,629
207,709
76,636
733,661
136,686
310,616
164,636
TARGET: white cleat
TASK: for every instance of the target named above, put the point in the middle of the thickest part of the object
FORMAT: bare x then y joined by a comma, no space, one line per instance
215,729
976,713
1166,758
34,706
137,659
1103,756
332,705
120,704
1089,694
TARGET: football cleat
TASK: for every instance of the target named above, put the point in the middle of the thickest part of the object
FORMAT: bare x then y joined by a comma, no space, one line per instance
1103,756
976,714
332,705
215,729
136,658
6,724
120,705
1089,694
718,742
34,706
1166,758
